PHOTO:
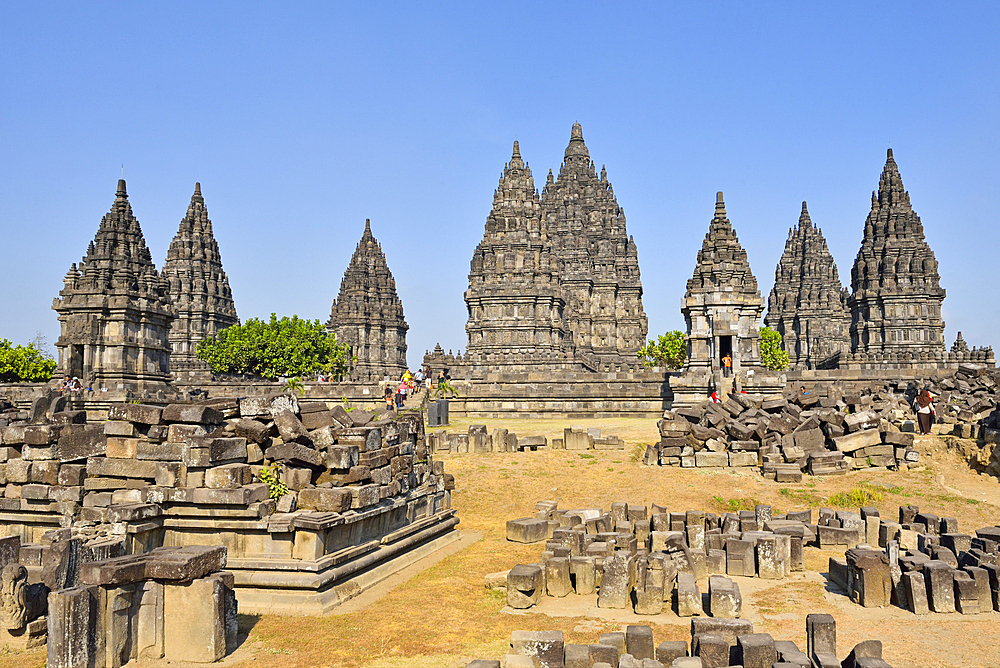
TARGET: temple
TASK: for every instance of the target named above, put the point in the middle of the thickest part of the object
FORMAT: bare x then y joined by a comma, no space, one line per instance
368,315
516,304
808,304
198,287
114,310
896,293
555,282
599,261
722,309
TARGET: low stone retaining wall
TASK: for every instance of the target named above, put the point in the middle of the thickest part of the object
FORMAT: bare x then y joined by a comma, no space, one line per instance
502,440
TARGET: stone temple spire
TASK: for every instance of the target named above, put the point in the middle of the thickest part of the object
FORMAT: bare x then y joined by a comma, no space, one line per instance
722,305
599,265
515,301
896,293
198,286
368,316
808,304
114,310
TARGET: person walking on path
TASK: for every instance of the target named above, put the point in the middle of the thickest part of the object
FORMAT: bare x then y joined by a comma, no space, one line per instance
727,366
925,411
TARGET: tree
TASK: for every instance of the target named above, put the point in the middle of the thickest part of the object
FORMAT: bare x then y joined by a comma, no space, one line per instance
24,364
670,350
772,351
286,347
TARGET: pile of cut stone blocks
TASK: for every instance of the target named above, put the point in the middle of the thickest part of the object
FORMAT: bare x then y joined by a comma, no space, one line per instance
170,603
651,559
923,564
821,436
188,473
715,643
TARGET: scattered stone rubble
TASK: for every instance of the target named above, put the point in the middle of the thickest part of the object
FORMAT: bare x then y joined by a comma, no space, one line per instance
187,474
826,435
714,643
925,565
651,559
502,440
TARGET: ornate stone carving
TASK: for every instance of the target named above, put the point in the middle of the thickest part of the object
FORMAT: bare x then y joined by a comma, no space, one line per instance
896,293
368,315
808,304
198,286
20,602
114,310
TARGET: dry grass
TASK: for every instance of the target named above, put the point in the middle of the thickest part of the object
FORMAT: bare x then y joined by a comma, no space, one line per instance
444,617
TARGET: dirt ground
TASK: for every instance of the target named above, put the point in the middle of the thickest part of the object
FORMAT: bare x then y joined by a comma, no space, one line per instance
443,616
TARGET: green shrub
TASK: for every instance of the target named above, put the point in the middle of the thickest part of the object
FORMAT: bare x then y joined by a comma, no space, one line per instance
286,347
772,352
669,350
24,364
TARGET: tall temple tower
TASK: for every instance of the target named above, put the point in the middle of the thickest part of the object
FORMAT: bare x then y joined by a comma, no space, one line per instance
722,309
368,316
515,300
808,304
198,286
896,293
600,268
114,309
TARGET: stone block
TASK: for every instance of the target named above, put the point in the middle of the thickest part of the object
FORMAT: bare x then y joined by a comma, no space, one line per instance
192,414
584,573
121,447
91,442
711,649
546,648
194,621
606,652
74,618
756,650
649,601
940,586
228,476
527,530
857,440
335,500
557,577
740,559
119,468
639,642
617,581
524,586
137,413
575,656
743,459
688,596
916,592
252,430
668,650
821,634
724,599
711,459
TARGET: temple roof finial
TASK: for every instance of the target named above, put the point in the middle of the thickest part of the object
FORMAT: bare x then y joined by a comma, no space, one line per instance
197,188
121,189
517,149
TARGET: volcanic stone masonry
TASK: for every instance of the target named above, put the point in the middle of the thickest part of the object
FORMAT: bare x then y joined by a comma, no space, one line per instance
515,300
198,287
722,309
808,304
715,643
303,497
368,316
896,293
555,282
114,309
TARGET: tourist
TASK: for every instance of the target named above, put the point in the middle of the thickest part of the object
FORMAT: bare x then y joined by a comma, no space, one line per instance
802,390
727,366
388,398
715,397
441,380
419,377
400,395
67,385
925,411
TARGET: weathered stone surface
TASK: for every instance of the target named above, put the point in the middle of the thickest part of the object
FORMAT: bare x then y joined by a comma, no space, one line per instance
229,476
546,648
525,585
337,500
293,453
137,413
808,304
857,440
120,468
203,600
896,294
368,315
192,414
527,530
197,285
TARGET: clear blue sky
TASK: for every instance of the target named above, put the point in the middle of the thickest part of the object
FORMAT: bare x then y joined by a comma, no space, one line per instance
300,121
